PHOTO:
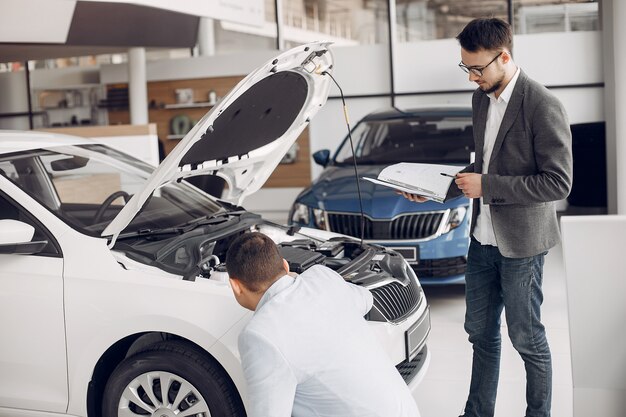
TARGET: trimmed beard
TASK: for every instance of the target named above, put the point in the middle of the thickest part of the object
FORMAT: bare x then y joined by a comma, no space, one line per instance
495,86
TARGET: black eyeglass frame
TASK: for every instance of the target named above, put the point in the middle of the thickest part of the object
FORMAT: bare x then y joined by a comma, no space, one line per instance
478,70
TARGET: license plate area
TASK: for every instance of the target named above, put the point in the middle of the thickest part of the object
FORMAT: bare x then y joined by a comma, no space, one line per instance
416,335
411,254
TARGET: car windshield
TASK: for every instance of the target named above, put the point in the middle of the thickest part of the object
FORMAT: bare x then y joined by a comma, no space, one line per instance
428,138
88,185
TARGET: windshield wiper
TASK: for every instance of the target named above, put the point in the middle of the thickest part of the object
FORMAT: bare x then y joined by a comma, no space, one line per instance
209,219
150,232
180,229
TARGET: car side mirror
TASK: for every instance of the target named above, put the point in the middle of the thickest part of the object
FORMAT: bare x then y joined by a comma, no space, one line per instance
15,238
322,157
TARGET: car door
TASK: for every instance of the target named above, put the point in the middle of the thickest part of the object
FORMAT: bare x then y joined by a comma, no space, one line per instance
33,368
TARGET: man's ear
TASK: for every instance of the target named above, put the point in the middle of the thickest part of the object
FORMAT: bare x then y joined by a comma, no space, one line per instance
506,57
286,265
237,286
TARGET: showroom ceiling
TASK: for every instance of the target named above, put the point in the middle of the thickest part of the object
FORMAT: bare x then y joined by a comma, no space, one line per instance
101,28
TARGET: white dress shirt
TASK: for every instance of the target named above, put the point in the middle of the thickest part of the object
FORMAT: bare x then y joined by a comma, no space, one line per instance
308,351
483,232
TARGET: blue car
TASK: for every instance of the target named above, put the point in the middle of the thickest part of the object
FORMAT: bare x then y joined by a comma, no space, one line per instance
433,237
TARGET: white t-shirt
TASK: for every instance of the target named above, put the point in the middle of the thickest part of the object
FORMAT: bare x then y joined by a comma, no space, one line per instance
308,351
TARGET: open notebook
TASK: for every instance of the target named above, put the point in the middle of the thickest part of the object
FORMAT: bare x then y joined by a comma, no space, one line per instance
427,180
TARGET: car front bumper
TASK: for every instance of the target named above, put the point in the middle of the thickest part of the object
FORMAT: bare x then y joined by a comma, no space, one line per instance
405,343
441,260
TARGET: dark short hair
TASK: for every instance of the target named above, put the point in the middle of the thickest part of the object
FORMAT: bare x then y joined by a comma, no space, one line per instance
486,33
254,259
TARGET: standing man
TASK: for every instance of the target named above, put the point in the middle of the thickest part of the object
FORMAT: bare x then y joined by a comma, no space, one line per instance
308,351
523,165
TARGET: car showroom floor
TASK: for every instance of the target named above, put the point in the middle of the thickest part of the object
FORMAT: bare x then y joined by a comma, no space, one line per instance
443,391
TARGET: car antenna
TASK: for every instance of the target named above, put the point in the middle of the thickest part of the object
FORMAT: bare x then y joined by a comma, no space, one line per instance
356,171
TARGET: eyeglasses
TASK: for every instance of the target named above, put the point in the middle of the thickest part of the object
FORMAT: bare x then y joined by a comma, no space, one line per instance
477,70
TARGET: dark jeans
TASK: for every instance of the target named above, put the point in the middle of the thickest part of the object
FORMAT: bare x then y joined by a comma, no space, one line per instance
494,282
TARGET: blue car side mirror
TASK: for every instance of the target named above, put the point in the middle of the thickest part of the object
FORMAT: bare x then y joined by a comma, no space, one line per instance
322,157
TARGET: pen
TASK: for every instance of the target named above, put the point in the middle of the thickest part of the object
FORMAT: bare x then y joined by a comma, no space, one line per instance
447,175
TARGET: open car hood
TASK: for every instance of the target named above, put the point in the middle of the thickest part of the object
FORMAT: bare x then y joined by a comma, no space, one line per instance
243,138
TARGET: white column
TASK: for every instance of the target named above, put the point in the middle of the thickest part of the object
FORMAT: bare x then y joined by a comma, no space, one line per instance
280,29
619,57
206,36
614,43
592,249
137,86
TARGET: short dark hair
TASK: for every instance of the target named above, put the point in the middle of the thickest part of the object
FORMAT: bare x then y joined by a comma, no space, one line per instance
254,259
486,33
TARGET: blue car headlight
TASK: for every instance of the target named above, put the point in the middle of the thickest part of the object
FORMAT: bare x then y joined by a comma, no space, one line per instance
300,214
303,214
319,218
455,218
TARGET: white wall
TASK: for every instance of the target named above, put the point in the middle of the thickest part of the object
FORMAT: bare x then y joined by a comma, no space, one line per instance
13,99
593,255
553,59
64,77
188,68
361,69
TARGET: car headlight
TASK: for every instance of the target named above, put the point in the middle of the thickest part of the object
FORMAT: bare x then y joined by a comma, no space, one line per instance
319,218
455,218
300,214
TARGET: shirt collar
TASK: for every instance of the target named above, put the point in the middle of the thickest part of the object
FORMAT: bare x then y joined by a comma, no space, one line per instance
508,90
278,286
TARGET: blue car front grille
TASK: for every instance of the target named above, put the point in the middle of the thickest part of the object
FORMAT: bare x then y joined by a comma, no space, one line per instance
413,226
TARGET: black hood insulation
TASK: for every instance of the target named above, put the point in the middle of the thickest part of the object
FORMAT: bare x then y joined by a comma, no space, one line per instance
259,116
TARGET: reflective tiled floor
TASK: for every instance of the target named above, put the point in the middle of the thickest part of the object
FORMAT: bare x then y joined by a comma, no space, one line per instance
443,391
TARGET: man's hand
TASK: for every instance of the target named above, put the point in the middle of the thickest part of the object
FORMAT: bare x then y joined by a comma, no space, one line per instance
470,184
412,197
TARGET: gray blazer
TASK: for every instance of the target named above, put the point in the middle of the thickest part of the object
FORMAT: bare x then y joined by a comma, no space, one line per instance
530,168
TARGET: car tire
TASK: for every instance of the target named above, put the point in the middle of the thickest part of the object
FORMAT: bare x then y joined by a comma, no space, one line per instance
193,379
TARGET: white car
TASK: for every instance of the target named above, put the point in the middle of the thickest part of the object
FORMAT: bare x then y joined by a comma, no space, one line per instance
114,300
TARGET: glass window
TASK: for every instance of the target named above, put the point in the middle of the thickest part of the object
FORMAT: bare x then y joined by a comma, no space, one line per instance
231,37
345,22
418,20
87,186
555,16
432,137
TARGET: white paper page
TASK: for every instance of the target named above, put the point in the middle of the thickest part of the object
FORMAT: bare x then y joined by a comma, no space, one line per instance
426,177
410,190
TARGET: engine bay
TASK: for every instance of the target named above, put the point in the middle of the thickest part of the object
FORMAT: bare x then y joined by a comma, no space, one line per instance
200,253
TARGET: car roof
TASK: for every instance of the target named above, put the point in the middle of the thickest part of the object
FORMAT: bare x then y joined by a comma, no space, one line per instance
431,111
18,140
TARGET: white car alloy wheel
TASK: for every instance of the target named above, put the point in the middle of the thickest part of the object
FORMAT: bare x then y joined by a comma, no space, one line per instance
162,394
170,379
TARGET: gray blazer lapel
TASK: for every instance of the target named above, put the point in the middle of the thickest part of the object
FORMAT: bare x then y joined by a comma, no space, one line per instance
479,131
517,98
